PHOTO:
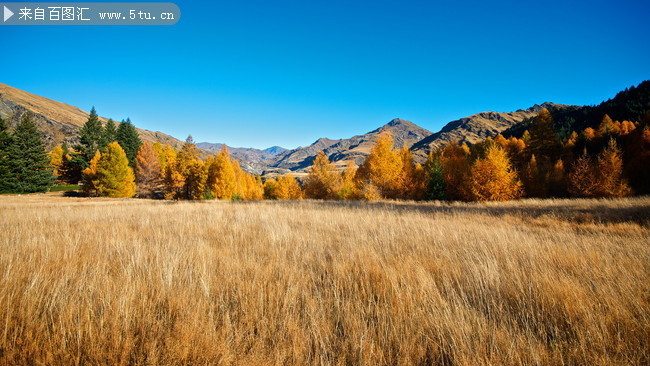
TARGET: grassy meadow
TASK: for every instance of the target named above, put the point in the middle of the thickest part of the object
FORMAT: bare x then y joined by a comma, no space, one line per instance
113,281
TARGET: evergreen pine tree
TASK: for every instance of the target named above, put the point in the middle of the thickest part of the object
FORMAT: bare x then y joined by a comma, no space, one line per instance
435,189
5,140
129,139
91,137
110,133
27,163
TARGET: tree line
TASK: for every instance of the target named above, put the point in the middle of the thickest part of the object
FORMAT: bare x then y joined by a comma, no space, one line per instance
612,160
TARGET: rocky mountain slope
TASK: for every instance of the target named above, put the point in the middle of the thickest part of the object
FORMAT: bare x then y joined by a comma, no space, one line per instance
477,127
57,121
356,148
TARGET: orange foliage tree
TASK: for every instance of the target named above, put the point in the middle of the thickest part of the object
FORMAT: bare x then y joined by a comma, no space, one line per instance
582,178
383,167
222,181
493,179
455,162
148,174
609,170
322,181
89,176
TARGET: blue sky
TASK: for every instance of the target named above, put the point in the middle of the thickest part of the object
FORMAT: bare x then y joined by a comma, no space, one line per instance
262,73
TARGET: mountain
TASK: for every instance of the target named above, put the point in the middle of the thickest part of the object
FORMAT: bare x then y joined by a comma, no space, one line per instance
57,121
274,150
477,127
631,104
251,159
356,148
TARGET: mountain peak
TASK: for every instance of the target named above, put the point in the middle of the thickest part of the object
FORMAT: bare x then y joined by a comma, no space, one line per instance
398,122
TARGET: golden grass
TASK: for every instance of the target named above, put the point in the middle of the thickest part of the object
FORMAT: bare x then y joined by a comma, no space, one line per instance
147,282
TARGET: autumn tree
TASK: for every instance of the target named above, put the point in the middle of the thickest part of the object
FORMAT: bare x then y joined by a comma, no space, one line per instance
172,179
56,160
607,127
222,180
589,134
195,180
534,179
383,167
348,187
89,176
114,175
582,180
288,188
544,142
147,171
455,163
557,180
178,170
609,171
412,180
26,164
493,179
322,180
270,187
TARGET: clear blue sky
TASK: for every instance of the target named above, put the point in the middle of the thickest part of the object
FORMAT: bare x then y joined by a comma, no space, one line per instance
262,73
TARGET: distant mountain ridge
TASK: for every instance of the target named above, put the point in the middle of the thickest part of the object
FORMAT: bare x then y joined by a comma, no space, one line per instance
61,122
356,148
478,126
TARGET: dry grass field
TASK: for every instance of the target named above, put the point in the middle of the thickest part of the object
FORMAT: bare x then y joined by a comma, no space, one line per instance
100,281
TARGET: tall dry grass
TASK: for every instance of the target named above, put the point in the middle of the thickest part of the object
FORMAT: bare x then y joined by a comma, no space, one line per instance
145,282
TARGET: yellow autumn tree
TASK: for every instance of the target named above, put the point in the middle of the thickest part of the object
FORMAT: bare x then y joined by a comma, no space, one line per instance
248,186
270,188
322,180
178,169
89,176
148,174
609,172
557,180
412,182
115,176
454,160
383,167
288,188
173,180
534,179
222,180
348,188
56,160
195,180
493,179
608,127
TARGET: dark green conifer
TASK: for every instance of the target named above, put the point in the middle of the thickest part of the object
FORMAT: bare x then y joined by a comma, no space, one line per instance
27,163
